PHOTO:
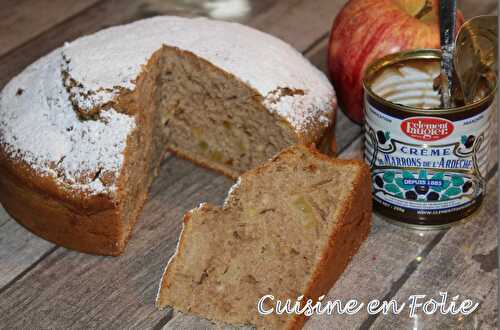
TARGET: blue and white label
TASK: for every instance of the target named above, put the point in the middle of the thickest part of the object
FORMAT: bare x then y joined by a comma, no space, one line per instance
427,164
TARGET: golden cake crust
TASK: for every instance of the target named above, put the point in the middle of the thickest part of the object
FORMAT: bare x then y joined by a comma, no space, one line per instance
84,223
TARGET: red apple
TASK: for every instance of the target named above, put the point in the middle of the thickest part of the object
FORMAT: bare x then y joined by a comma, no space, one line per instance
366,30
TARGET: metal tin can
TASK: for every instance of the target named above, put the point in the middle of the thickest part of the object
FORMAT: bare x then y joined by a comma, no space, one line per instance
428,164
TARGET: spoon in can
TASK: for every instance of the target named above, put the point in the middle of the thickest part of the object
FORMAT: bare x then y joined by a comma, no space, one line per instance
447,12
475,57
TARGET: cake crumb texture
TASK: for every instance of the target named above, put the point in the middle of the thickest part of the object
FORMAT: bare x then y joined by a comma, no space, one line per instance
287,228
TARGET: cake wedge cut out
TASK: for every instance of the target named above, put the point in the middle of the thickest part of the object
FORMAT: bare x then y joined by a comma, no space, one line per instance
287,228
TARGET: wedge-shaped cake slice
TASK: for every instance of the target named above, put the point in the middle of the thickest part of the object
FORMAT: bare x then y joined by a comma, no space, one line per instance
287,228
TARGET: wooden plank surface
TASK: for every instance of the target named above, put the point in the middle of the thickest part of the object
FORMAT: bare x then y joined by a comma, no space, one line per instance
4,217
187,321
19,250
384,259
23,20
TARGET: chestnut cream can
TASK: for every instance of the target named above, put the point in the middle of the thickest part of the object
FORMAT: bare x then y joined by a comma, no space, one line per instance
428,164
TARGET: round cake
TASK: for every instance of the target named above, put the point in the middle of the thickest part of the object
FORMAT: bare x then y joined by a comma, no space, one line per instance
83,129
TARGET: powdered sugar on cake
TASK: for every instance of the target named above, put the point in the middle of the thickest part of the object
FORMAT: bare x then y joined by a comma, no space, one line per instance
38,126
110,60
231,191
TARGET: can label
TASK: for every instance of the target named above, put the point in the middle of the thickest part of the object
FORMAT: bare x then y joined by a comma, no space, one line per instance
426,167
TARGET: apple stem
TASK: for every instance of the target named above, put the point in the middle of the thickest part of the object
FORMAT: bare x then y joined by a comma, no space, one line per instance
426,8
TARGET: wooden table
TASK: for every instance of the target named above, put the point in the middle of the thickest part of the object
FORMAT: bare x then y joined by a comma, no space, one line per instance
50,287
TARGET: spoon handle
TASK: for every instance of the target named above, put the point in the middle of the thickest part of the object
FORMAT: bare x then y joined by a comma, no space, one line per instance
447,10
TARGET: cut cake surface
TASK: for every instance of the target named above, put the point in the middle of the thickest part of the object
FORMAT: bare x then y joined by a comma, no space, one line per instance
287,229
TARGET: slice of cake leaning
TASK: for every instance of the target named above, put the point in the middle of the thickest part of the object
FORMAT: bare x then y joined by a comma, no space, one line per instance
83,129
287,229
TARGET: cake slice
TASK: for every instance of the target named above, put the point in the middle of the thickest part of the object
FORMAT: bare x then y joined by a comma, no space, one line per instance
288,228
